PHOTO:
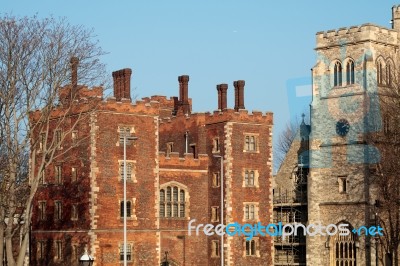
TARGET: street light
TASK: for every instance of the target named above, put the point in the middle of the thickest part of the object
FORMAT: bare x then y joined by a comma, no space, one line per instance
86,259
125,138
222,203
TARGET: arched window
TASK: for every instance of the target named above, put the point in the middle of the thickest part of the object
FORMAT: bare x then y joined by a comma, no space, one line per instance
172,202
350,72
343,250
379,70
337,75
389,73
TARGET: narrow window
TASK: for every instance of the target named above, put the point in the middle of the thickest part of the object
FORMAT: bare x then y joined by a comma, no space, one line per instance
73,174
74,136
216,179
250,143
380,72
129,166
42,210
170,148
216,145
250,212
128,252
74,212
342,184
128,209
41,249
58,174
350,72
251,248
59,250
388,74
42,142
42,179
162,203
214,214
215,248
57,210
58,138
338,74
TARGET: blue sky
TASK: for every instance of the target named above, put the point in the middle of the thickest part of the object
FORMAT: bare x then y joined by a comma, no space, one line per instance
268,44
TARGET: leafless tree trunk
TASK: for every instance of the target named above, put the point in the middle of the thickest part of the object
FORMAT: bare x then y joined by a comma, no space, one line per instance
387,172
34,64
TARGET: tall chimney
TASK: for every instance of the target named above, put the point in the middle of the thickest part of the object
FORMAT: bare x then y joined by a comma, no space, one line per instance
122,84
222,99
239,94
183,93
127,72
74,71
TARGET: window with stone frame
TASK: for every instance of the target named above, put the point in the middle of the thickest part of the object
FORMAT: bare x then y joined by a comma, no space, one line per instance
343,186
343,249
74,136
74,174
250,211
58,138
42,177
337,74
350,72
380,72
42,210
214,214
216,145
215,248
130,170
128,209
57,210
250,143
216,181
170,148
41,249
42,142
74,212
59,250
128,251
252,247
173,202
58,174
249,178
125,131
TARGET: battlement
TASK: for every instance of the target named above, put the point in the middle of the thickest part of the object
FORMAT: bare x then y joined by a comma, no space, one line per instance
186,162
76,93
356,34
125,105
229,115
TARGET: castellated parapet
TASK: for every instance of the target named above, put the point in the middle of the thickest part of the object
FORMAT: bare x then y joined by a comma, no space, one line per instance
186,162
356,34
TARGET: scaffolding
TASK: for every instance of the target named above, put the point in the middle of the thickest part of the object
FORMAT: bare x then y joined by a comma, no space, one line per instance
290,206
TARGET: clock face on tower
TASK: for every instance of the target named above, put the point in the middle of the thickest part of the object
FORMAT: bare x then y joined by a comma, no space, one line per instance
342,127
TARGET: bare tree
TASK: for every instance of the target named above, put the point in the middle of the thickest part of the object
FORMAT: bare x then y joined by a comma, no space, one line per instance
285,141
35,63
386,172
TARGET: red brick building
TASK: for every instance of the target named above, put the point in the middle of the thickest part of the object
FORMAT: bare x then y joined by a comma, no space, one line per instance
173,177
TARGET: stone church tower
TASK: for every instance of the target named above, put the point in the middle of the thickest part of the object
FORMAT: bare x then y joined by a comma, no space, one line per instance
353,65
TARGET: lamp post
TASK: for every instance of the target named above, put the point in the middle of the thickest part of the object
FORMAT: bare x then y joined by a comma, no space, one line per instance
86,259
376,206
125,138
222,203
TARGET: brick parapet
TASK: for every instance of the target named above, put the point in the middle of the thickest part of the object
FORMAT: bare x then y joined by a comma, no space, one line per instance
186,162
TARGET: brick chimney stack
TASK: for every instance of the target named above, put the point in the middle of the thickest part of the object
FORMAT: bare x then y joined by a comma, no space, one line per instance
183,93
122,84
74,71
222,98
239,94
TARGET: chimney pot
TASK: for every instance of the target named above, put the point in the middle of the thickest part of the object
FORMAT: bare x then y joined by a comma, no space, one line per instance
223,97
183,93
